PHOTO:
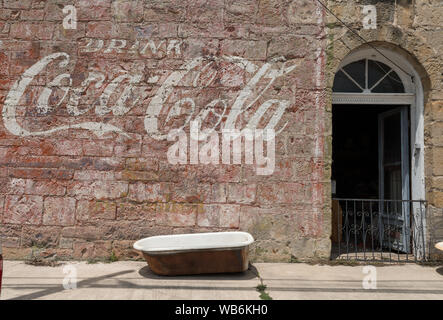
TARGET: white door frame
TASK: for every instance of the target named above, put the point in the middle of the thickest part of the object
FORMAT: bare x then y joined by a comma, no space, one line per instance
414,97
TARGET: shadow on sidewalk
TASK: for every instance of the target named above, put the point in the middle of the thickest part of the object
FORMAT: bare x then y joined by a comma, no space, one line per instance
83,283
247,275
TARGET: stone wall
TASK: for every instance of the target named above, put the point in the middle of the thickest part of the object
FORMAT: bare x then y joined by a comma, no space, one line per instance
84,168
86,113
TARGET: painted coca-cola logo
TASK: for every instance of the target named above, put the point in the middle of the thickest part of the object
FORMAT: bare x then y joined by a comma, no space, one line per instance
173,100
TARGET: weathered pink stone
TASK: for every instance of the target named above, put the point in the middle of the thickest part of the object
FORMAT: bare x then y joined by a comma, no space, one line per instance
176,214
91,210
59,211
151,192
23,209
219,215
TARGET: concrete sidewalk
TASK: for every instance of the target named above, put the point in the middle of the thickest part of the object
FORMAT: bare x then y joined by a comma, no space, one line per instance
134,280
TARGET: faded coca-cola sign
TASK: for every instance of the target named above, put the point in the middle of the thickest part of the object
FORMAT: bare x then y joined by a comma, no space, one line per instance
117,96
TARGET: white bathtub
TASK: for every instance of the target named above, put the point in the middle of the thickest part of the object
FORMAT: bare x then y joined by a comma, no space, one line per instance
196,253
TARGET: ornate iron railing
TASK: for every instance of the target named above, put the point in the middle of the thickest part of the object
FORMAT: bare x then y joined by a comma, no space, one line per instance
379,230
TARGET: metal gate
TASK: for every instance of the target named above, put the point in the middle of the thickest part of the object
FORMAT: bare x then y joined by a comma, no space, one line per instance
369,230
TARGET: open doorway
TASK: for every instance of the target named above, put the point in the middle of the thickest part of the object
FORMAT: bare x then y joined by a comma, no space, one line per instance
369,150
378,205
370,153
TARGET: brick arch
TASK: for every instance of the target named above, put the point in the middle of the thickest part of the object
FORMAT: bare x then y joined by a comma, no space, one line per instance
412,48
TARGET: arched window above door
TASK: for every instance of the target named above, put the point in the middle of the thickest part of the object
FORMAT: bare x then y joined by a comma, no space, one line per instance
367,76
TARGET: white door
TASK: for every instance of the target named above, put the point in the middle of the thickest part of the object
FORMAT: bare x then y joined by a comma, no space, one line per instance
394,180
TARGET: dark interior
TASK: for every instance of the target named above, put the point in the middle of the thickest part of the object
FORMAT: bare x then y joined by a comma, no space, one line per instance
355,150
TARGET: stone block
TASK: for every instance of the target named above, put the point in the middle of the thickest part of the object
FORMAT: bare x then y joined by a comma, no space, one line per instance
59,211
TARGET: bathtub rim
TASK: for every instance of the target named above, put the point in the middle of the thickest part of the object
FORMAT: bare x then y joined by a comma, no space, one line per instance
173,250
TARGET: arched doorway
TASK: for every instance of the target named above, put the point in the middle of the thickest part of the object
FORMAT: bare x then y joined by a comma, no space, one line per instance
378,154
